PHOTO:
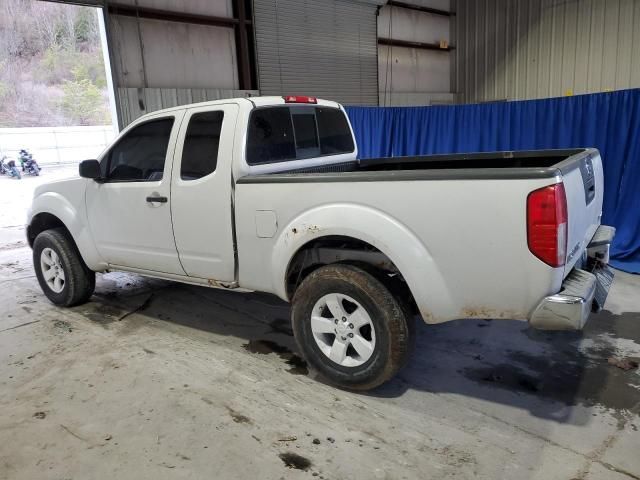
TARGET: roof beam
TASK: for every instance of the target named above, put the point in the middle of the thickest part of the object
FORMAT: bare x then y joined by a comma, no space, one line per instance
419,45
169,16
420,8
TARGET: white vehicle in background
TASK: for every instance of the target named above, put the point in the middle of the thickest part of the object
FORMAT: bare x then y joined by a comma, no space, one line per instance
267,194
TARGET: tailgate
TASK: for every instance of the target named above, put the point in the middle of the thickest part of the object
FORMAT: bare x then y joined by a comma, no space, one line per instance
583,183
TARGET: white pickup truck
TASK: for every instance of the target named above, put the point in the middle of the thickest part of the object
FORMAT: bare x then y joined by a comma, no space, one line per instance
267,194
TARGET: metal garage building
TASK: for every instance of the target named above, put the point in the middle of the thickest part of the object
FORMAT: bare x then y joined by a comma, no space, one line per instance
366,52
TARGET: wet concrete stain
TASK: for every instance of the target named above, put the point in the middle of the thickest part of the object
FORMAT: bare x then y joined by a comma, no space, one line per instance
625,325
62,325
298,366
295,461
281,325
567,374
238,417
102,314
13,246
571,379
265,347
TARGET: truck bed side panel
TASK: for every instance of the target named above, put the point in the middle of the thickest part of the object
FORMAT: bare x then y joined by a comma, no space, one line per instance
474,232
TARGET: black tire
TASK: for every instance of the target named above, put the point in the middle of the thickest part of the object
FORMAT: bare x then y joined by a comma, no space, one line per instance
79,282
394,326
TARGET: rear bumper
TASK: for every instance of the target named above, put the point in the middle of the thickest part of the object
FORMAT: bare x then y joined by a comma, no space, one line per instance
583,291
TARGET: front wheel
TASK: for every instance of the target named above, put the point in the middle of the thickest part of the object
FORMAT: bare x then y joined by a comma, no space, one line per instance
61,272
350,328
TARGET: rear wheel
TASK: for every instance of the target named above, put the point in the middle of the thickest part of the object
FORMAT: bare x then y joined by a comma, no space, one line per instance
61,272
350,328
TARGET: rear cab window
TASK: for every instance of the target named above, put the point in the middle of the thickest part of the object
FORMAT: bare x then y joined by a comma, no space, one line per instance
285,133
201,145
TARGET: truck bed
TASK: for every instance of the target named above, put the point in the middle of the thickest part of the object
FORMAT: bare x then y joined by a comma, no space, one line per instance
502,160
471,212
506,164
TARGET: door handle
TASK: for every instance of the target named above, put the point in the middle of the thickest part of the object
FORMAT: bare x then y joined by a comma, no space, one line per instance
157,199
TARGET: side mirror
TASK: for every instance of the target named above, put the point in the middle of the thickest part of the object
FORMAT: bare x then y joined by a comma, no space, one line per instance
90,169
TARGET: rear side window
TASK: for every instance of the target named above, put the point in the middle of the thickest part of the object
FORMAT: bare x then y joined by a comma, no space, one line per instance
270,136
286,133
201,143
140,155
334,131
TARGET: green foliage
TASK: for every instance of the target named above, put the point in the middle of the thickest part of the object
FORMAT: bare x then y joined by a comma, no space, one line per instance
60,34
85,26
51,65
51,59
4,86
83,102
4,90
59,64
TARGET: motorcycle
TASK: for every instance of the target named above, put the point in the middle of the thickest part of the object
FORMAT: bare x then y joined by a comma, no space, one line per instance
29,165
9,168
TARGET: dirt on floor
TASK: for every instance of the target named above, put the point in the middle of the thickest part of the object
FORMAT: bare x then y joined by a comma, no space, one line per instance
153,379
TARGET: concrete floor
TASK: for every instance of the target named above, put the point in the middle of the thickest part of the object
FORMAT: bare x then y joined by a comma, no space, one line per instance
153,379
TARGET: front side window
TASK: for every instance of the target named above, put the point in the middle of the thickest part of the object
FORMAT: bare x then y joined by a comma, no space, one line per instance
286,133
201,143
140,155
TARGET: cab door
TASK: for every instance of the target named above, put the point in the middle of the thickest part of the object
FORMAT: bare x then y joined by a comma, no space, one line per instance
129,209
201,192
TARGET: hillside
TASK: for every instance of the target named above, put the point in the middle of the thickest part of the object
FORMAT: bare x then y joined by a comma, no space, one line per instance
51,65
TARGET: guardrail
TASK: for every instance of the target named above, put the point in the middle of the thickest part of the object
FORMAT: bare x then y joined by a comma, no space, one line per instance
50,145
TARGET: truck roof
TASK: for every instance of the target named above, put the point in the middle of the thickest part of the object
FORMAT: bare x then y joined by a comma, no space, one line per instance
260,101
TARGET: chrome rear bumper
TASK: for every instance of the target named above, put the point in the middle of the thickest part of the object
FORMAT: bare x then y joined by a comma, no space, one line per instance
582,291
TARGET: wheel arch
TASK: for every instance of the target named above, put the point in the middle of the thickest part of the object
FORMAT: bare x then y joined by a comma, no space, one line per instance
364,227
340,249
52,210
44,221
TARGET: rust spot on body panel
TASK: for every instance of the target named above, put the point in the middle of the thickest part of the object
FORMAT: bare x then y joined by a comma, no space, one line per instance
306,229
489,312
216,284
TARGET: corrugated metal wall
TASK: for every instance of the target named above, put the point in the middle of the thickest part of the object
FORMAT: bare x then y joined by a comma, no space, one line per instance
414,76
519,49
324,48
135,102
163,63
150,53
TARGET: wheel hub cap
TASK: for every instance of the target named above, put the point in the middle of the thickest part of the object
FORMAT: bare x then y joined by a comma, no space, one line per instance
343,330
52,271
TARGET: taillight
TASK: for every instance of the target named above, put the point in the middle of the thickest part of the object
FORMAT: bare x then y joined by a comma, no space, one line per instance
547,224
299,99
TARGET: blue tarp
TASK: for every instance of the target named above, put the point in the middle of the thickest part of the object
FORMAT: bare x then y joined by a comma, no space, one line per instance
608,121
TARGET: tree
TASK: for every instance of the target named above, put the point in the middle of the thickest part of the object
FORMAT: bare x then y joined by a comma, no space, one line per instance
83,102
51,65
